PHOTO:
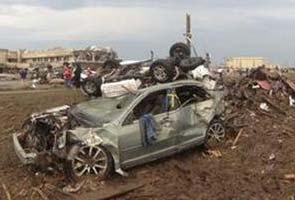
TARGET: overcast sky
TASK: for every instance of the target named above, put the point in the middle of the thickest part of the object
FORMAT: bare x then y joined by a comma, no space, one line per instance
222,27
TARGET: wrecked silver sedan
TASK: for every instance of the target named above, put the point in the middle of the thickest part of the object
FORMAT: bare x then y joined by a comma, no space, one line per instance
105,134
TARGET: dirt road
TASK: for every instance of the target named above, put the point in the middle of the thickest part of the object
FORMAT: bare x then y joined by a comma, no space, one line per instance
243,173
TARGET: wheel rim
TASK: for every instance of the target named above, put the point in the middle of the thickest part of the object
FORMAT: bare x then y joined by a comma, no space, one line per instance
159,73
216,131
90,160
90,87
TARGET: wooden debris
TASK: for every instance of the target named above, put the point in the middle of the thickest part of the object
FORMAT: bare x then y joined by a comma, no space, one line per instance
55,189
288,131
8,195
21,193
266,113
73,189
42,195
237,138
215,153
289,177
278,109
122,192
290,84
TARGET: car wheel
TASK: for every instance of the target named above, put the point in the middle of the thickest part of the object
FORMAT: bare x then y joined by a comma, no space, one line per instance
180,50
162,71
111,64
215,132
91,86
93,160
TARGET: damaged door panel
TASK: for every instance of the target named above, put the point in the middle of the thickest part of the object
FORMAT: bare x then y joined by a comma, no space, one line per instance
193,126
139,151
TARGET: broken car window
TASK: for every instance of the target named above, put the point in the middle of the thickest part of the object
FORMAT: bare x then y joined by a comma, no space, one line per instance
126,100
154,104
191,94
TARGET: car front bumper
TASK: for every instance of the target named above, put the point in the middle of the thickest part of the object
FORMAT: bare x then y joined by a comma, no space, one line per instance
25,158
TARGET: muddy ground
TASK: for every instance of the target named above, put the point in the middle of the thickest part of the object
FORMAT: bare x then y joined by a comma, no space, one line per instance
255,169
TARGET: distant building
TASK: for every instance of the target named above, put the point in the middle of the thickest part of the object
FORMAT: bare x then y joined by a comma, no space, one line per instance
55,56
247,62
7,56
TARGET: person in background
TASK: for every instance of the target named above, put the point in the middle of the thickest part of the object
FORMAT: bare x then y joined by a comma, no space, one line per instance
67,74
49,72
77,75
23,75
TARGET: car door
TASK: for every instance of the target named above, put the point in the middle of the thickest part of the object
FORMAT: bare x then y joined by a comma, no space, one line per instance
133,151
195,111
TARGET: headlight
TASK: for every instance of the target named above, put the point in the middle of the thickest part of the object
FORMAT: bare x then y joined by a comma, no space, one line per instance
93,140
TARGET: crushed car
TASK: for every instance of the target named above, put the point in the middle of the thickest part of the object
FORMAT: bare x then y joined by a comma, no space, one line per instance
117,71
100,135
177,65
140,74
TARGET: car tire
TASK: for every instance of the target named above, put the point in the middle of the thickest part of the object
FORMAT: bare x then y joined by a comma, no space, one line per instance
162,71
91,86
111,64
180,50
93,160
215,133
190,64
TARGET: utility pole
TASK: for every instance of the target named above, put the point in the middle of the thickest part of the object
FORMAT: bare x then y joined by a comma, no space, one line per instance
188,34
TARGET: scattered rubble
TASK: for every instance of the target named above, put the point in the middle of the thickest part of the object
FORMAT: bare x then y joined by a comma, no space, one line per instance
186,173
260,93
257,104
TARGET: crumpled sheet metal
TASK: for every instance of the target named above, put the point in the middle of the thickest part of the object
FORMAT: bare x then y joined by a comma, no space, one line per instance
264,85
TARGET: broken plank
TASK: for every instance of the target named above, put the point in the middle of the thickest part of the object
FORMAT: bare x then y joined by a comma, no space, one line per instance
237,138
290,177
109,191
274,105
42,195
8,195
121,192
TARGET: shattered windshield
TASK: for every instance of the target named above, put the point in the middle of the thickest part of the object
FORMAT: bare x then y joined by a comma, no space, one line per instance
125,100
97,112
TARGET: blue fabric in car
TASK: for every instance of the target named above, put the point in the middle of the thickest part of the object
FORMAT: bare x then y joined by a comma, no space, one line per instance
148,126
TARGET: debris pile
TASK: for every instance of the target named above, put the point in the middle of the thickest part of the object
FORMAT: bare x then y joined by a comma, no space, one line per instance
260,112
259,93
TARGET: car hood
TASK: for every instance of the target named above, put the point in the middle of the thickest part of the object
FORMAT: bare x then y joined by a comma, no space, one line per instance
95,113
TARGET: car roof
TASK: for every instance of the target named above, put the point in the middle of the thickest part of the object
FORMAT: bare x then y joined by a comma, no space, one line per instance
161,86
